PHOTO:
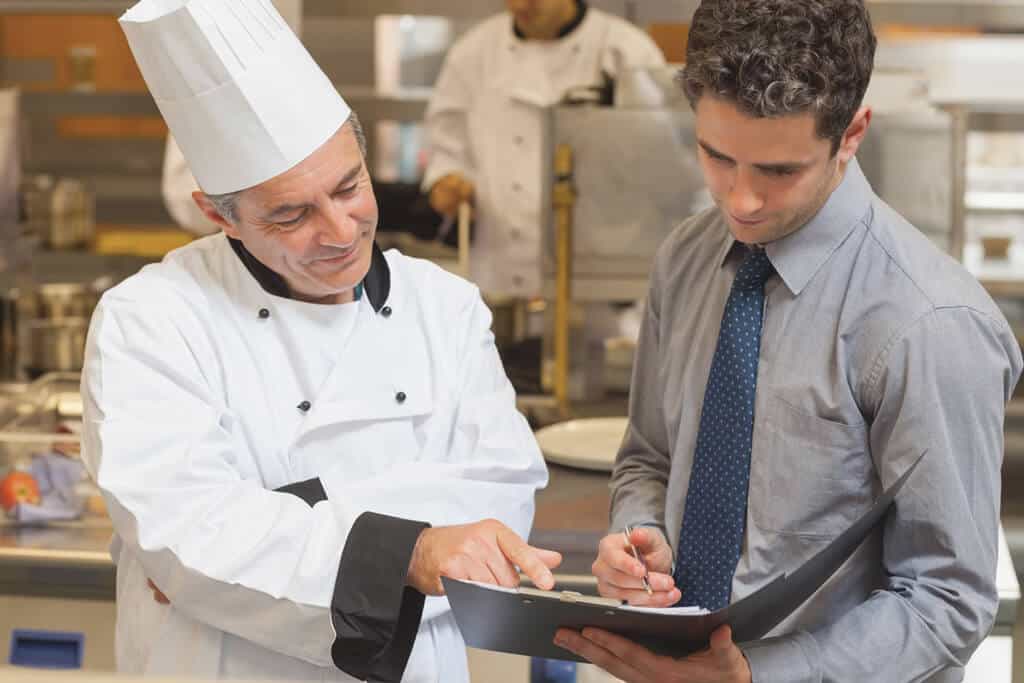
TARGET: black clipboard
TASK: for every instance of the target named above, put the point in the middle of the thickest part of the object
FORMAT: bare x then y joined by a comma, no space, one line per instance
524,621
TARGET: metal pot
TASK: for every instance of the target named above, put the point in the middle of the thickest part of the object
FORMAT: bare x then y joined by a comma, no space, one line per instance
63,300
61,211
42,328
55,345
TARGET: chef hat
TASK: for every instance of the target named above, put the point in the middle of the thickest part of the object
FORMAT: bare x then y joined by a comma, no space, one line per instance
240,93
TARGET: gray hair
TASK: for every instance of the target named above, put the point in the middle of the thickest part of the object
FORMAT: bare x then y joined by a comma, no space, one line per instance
227,204
772,58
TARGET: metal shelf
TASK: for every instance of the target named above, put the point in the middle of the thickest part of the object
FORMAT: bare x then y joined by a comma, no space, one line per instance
65,6
467,9
1001,15
998,202
991,14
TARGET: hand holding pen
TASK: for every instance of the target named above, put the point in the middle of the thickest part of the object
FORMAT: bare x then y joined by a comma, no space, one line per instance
634,565
627,532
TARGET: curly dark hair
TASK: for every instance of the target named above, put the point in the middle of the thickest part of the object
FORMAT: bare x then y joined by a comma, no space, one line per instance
776,57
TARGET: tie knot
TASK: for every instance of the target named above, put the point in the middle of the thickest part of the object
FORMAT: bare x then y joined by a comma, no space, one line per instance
754,271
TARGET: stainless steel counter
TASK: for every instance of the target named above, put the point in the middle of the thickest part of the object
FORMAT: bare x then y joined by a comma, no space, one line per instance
72,560
66,561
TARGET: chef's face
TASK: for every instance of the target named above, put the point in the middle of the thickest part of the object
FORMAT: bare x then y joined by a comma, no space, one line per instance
314,224
769,176
541,19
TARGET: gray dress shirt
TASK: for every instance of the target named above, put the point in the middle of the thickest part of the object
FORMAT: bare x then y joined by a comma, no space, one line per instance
875,347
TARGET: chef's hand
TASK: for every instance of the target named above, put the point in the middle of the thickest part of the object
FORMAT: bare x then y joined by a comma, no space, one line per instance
722,662
157,594
486,551
450,191
620,576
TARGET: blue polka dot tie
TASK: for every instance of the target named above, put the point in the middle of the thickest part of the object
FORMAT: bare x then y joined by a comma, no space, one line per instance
711,537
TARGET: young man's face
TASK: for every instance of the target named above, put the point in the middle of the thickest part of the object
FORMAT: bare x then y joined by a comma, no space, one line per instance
314,224
769,177
541,19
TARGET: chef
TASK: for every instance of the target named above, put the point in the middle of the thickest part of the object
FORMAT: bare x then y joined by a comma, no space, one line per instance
296,434
484,122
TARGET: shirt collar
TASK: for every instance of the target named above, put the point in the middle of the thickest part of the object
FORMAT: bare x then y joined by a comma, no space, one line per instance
798,256
581,13
376,284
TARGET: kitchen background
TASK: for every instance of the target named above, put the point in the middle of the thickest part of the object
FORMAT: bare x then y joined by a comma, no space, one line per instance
81,154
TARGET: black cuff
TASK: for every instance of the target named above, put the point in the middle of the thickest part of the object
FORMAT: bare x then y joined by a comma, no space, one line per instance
375,615
311,491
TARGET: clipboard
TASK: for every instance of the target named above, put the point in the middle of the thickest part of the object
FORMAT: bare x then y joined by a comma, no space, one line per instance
523,621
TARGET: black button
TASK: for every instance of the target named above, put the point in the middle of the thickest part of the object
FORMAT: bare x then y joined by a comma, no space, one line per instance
305,406
264,314
400,397
386,311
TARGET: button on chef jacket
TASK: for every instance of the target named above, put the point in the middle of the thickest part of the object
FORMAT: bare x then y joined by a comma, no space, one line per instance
282,537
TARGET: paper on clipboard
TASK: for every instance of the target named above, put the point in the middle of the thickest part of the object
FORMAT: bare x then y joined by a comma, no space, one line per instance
524,621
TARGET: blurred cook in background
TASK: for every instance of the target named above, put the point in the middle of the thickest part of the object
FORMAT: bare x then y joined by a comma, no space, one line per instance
484,122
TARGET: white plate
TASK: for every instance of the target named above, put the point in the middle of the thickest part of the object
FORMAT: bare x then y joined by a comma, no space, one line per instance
590,444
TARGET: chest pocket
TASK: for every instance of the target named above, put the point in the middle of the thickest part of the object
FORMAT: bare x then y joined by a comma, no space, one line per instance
363,438
809,476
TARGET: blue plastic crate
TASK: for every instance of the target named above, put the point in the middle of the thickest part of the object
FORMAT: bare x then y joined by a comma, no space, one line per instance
46,649
552,671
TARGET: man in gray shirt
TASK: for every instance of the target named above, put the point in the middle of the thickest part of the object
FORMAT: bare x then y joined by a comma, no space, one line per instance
802,345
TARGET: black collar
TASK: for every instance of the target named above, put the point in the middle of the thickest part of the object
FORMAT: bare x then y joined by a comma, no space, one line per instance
377,283
581,13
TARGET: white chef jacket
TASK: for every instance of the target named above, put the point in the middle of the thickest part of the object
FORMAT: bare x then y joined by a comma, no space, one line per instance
197,408
485,118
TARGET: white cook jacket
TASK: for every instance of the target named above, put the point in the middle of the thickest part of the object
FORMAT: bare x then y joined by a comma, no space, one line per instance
485,118
191,420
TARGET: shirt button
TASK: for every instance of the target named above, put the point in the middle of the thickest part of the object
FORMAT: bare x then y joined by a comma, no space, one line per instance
264,314
386,311
400,397
518,140
515,233
305,406
517,187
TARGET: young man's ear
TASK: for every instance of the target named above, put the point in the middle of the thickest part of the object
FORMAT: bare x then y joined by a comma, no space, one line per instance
210,211
854,135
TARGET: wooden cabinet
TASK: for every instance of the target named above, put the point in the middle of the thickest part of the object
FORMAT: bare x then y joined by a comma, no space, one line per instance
62,52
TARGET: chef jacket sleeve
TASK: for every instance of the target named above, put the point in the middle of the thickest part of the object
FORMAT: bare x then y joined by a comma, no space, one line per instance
183,493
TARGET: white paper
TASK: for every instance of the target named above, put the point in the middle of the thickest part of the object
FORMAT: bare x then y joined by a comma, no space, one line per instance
677,611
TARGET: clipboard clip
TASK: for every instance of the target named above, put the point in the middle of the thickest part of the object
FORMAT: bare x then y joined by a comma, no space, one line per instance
574,597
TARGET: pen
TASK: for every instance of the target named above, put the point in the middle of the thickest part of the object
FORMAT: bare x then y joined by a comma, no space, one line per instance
627,532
